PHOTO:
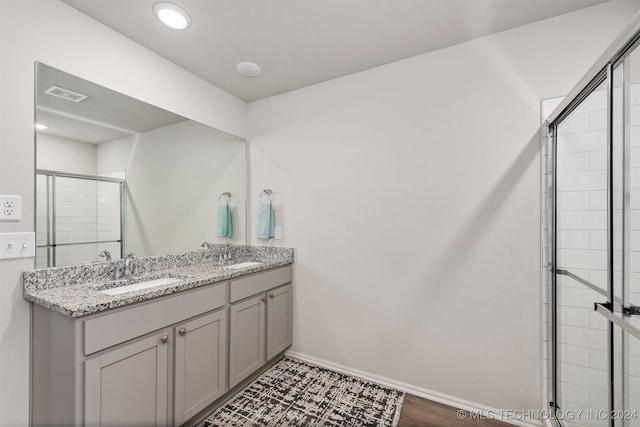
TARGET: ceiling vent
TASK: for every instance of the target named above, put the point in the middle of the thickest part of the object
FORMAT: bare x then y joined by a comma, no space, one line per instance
67,94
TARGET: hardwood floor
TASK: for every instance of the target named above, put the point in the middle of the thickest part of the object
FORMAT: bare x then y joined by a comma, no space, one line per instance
419,412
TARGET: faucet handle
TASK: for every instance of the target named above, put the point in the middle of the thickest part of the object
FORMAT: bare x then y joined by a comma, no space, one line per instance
130,264
117,269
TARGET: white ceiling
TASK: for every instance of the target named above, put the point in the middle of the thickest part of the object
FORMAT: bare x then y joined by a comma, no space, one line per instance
302,42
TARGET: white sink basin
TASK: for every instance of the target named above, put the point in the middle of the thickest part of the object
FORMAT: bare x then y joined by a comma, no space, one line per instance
242,265
141,285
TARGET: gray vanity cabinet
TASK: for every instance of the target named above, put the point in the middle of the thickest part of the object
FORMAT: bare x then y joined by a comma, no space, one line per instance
279,319
128,366
200,364
260,321
160,362
128,385
246,338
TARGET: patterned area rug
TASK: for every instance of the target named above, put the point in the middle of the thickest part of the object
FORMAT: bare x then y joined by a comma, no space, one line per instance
294,393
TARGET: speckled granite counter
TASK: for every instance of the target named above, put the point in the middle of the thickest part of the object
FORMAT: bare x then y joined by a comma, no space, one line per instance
75,291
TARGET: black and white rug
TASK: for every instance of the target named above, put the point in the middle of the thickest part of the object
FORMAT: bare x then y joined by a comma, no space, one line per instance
294,393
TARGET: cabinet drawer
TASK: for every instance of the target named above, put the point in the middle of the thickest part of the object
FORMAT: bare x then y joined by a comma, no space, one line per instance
260,282
114,328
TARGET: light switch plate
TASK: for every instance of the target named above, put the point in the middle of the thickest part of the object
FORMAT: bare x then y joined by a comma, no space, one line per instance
278,232
17,245
10,208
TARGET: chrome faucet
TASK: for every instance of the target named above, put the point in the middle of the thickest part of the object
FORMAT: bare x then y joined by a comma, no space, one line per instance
131,265
125,268
225,255
118,270
105,254
206,245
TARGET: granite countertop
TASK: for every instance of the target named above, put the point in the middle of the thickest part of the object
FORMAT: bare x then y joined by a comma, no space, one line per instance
75,291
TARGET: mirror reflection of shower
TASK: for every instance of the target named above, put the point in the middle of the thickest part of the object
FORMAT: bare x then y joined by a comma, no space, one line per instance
80,218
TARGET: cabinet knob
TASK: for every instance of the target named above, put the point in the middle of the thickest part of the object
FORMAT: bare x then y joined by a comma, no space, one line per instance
182,331
271,295
164,339
263,299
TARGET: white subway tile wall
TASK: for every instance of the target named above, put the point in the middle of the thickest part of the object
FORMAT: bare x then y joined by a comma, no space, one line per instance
76,213
582,249
108,217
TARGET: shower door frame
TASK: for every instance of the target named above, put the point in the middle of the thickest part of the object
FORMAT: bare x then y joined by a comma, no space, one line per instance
601,72
51,211
551,130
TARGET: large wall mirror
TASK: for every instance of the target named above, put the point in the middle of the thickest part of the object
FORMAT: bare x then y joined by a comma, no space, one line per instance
116,175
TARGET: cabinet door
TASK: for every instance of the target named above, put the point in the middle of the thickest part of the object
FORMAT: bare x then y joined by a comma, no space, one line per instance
279,305
200,363
128,385
247,338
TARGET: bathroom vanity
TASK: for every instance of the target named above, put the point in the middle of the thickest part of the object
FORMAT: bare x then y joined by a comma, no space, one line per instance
158,356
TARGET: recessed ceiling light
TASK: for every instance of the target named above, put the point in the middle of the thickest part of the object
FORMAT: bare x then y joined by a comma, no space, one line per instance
249,69
172,15
40,126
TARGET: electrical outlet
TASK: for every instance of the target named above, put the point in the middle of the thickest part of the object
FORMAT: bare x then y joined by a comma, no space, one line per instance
17,245
10,208
278,232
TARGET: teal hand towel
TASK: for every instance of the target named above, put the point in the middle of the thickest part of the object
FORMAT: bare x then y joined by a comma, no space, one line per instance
266,222
224,227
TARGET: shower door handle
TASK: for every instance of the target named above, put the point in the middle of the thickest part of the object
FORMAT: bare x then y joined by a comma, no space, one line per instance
632,310
605,310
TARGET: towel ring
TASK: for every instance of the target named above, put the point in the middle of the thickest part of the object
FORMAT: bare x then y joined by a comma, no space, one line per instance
266,192
227,197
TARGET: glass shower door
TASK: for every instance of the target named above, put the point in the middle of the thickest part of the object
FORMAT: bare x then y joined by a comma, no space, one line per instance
626,240
80,219
596,252
582,260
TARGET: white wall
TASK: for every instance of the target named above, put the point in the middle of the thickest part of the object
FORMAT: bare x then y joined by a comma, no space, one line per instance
52,32
66,155
178,184
411,193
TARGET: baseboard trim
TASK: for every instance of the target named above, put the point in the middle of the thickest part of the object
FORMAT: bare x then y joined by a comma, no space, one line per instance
411,389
